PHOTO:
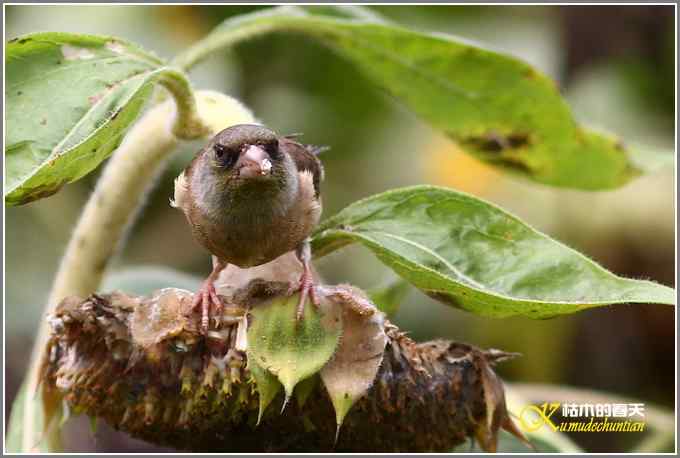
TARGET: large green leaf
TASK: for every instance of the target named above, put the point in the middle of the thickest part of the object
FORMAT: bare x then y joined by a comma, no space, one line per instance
69,100
145,279
388,298
470,254
496,107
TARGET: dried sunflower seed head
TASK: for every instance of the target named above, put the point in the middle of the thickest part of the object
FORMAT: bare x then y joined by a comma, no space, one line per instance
141,364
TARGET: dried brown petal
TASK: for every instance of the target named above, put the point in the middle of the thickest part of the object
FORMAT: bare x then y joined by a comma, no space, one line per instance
351,372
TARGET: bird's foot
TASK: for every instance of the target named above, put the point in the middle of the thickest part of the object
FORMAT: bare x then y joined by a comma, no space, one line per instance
305,286
209,303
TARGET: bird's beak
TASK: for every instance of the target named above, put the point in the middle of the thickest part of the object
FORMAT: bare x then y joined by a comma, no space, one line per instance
254,162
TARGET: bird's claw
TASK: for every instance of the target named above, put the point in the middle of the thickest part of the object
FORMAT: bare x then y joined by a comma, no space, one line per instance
306,288
206,299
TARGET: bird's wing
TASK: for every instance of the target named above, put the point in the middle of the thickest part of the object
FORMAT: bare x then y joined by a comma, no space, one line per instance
314,149
317,149
181,192
305,160
182,199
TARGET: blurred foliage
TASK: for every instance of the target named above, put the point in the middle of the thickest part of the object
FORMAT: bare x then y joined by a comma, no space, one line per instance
295,85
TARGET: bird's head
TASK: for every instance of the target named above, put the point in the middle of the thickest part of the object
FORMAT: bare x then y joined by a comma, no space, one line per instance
245,153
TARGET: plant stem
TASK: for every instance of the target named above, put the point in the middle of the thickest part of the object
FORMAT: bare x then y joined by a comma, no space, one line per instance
119,195
213,42
288,18
188,124
107,214
233,31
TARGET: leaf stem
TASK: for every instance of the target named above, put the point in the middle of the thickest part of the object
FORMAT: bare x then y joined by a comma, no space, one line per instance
233,31
288,17
188,124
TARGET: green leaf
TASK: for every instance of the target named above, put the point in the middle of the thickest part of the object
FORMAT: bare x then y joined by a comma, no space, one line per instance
470,254
507,443
267,386
144,280
94,425
289,349
304,389
70,98
497,107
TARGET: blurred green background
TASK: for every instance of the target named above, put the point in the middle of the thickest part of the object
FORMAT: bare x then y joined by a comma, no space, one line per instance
614,64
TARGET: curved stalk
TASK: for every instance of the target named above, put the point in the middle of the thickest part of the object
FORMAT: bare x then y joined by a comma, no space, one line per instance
220,38
119,194
188,123
282,18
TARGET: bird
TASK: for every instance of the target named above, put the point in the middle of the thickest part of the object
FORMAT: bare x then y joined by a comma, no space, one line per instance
251,196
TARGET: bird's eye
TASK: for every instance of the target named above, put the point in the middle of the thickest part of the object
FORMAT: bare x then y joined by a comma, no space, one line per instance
224,155
272,148
220,150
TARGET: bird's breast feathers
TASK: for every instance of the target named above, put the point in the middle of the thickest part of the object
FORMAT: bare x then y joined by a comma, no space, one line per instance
252,234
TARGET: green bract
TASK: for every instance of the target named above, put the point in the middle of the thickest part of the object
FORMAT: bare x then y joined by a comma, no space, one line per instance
267,386
470,254
292,350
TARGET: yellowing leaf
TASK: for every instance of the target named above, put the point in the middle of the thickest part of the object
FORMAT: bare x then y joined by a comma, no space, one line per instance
351,372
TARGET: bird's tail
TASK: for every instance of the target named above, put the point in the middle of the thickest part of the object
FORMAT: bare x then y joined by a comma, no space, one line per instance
317,149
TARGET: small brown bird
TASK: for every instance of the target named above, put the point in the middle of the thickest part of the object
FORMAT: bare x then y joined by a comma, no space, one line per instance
251,196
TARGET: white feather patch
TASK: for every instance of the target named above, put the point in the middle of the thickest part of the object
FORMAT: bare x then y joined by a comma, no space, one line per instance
311,205
307,191
181,192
